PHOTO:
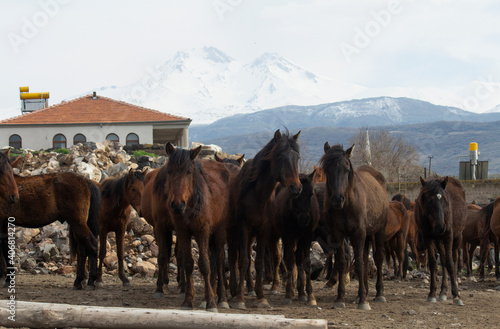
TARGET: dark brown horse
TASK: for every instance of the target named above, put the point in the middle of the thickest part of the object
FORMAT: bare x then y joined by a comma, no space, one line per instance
237,162
396,232
155,210
197,194
297,218
491,233
472,234
252,208
356,206
65,197
118,195
440,213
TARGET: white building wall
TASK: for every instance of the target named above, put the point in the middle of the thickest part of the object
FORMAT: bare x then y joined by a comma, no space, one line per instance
40,137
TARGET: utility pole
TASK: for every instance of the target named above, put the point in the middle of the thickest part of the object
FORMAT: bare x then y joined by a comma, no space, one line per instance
430,159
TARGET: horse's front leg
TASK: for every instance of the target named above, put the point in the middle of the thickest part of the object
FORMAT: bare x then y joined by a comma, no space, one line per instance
184,241
358,242
276,261
379,262
444,257
340,264
262,241
204,266
120,233
431,256
81,258
288,244
305,246
4,252
449,244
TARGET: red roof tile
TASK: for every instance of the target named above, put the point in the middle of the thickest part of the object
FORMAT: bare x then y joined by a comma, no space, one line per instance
88,110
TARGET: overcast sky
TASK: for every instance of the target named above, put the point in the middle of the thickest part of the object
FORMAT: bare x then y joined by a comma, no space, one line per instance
69,47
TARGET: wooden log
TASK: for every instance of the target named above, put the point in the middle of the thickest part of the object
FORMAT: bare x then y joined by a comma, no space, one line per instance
48,315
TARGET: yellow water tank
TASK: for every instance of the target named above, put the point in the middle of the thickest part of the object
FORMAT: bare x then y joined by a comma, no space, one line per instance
43,95
472,146
24,89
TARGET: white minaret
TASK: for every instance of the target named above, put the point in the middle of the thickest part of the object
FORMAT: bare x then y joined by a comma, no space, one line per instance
368,152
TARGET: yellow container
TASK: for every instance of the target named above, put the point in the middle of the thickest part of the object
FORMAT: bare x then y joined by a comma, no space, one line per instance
43,95
24,89
472,146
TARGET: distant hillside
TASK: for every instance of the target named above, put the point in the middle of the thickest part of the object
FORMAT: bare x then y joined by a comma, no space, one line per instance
445,141
370,112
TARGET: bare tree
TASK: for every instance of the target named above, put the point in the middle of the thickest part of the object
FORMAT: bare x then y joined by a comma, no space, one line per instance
387,152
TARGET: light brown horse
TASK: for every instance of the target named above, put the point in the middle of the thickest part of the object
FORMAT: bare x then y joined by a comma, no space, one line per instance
440,213
472,234
396,232
65,197
356,206
491,233
252,208
197,194
118,195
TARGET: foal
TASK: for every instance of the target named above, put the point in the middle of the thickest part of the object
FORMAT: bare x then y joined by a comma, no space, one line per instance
117,197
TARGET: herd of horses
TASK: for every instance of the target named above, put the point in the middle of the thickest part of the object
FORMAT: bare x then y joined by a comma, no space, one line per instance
238,206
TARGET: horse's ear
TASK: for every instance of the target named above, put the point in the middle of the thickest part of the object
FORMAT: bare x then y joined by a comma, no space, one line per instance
277,135
216,157
311,176
241,159
444,182
296,136
348,152
194,152
326,147
16,162
169,148
130,174
315,167
7,152
422,181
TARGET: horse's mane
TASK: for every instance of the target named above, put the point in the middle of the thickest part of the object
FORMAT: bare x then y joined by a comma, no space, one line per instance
4,161
181,159
252,169
486,212
113,188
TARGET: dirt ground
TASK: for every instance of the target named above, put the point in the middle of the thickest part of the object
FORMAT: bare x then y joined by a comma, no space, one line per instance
405,307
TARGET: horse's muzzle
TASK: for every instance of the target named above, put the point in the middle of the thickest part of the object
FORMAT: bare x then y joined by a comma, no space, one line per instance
337,201
178,208
294,191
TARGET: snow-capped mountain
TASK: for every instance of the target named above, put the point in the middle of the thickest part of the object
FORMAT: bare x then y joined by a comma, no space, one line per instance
206,85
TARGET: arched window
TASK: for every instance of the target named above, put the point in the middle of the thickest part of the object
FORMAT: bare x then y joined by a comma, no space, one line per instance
112,138
132,139
59,141
15,141
79,138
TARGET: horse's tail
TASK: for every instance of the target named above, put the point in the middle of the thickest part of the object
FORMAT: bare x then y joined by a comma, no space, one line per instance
95,200
486,212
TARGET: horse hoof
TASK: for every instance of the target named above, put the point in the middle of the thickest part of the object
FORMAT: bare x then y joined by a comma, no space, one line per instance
239,306
263,303
252,294
312,302
267,287
99,284
77,287
457,301
431,300
442,297
273,292
303,298
339,305
364,306
89,287
127,284
326,287
480,280
356,300
223,305
3,283
186,308
182,296
380,299
158,295
213,310
287,301
203,304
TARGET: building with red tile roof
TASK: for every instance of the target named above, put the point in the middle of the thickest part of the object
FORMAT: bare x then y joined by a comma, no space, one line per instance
93,118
